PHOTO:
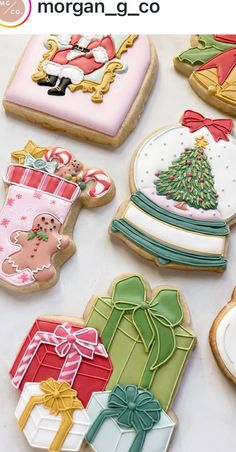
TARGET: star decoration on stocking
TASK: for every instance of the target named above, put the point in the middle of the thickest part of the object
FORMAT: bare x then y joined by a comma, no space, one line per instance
24,278
30,148
201,142
37,195
10,202
5,222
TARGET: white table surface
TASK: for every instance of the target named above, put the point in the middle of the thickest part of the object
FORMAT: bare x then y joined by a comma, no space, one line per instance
206,402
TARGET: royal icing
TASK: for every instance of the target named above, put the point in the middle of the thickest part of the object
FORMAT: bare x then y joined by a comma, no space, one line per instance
183,183
116,56
225,340
213,61
74,60
43,185
51,416
63,352
130,419
145,337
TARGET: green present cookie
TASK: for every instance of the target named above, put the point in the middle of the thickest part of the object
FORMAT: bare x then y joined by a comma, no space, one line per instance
145,335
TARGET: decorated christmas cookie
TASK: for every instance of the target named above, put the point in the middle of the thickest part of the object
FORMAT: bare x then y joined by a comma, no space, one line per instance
112,375
46,189
51,416
130,419
183,182
210,64
146,334
65,350
72,82
222,338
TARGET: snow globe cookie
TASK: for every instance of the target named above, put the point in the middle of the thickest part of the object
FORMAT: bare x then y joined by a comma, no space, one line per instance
210,64
72,82
183,182
222,338
47,187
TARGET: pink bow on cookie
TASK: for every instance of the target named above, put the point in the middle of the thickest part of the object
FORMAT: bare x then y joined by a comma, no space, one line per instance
84,342
69,344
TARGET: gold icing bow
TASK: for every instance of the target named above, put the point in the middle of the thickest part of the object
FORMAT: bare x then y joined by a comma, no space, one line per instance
58,398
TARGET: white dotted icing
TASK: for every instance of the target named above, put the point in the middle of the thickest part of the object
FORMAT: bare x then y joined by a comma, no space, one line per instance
162,148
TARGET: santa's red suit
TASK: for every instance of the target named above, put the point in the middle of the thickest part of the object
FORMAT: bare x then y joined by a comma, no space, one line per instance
70,61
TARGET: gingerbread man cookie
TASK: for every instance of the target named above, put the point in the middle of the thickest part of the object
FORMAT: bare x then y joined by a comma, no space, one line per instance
37,248
47,188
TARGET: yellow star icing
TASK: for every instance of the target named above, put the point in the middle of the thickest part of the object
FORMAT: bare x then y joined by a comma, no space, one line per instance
30,148
201,142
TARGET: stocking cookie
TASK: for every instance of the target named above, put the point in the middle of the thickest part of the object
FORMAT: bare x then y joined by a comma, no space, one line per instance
72,82
182,202
222,338
46,190
210,64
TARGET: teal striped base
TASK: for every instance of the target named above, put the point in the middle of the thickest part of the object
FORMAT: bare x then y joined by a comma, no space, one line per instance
164,253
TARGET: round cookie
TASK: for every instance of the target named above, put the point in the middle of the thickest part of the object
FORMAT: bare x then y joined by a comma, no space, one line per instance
222,338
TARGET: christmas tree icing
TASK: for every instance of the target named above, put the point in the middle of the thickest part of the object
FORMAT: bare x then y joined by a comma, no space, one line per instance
189,180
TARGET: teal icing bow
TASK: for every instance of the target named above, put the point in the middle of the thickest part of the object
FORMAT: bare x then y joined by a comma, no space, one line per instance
133,408
40,164
154,321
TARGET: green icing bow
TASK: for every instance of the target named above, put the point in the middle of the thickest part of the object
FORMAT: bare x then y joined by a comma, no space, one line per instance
133,408
154,321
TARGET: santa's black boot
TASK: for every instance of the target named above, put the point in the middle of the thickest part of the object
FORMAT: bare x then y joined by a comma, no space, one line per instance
60,90
48,80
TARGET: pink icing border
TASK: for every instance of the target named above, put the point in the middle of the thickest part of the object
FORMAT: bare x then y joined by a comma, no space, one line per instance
19,214
169,204
78,108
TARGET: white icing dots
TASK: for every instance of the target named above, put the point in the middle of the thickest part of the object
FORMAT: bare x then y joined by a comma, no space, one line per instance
221,155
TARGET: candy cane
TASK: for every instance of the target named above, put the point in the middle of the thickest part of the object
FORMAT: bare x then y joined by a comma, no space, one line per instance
62,155
40,338
102,182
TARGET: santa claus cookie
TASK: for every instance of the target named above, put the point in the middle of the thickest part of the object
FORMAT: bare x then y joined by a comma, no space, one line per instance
46,189
72,83
222,338
210,64
183,182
